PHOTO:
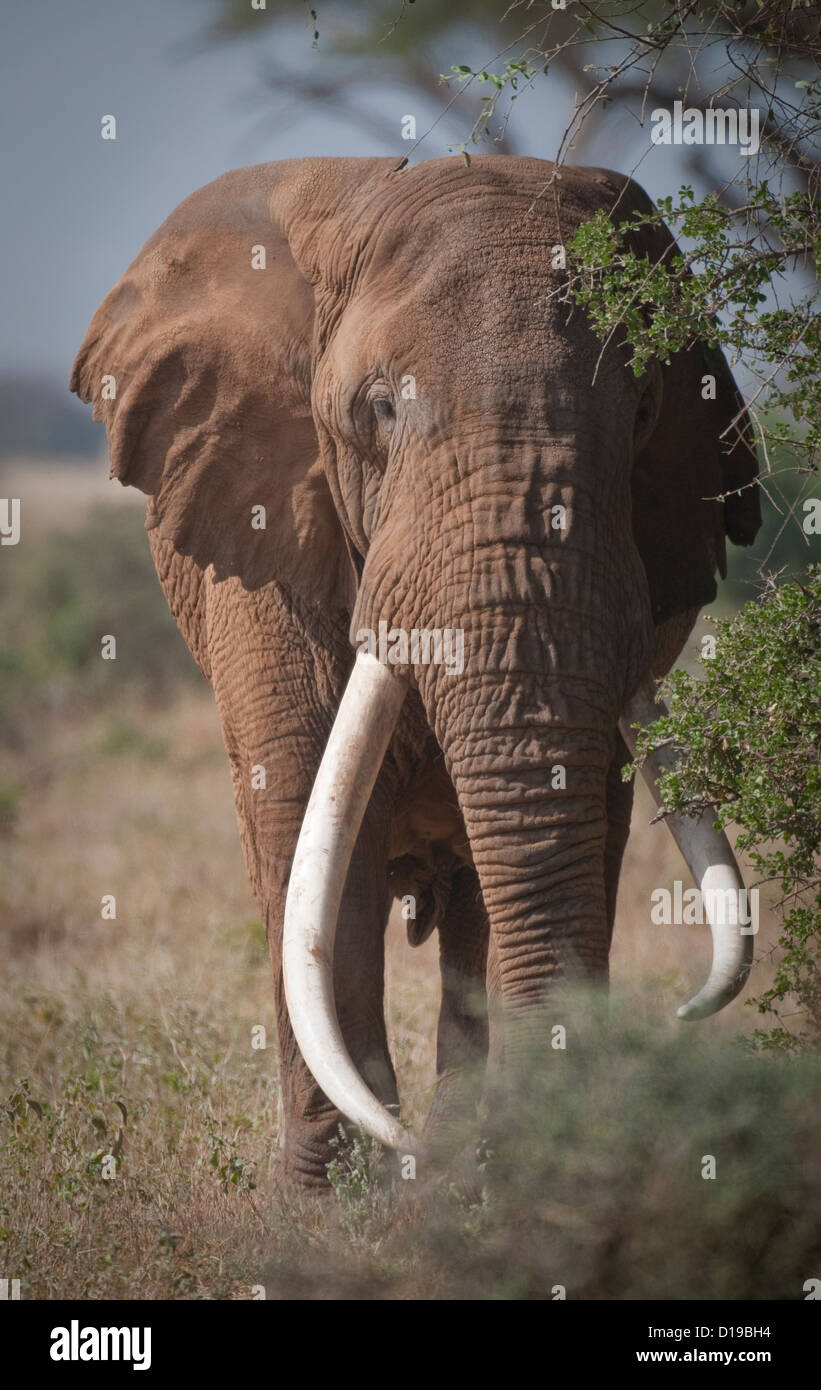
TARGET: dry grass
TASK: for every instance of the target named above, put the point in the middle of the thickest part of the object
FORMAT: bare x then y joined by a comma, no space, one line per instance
154,1011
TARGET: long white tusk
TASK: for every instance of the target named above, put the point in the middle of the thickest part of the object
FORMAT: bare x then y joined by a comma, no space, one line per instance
356,748
712,863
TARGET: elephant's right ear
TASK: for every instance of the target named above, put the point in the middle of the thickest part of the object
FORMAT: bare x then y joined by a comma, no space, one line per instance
199,362
694,477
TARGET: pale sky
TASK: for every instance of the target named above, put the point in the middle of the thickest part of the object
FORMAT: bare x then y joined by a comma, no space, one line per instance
78,208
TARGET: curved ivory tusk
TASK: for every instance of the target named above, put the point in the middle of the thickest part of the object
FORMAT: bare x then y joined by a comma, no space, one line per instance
711,862
357,745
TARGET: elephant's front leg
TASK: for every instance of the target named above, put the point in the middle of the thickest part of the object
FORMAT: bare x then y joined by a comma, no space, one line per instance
462,1037
278,688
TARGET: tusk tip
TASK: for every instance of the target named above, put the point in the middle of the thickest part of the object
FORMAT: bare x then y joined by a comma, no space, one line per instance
712,1003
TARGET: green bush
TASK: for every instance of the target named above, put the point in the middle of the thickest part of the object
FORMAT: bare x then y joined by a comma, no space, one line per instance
596,1183
748,738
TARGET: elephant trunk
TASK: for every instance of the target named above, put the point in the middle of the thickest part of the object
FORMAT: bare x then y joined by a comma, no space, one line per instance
529,767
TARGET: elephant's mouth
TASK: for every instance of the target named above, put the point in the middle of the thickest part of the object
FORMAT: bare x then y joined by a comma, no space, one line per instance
362,731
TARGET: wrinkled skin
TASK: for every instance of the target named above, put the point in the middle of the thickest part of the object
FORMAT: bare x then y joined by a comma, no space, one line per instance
282,386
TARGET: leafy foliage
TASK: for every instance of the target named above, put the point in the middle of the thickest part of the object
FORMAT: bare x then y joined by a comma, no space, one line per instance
745,280
581,1198
714,294
356,1176
748,738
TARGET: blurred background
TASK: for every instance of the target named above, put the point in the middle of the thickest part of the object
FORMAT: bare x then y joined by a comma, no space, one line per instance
113,777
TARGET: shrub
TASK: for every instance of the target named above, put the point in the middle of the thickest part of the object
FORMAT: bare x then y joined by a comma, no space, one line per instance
748,738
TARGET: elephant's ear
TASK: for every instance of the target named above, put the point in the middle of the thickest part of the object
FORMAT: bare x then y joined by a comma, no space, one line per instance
700,449
686,464
199,362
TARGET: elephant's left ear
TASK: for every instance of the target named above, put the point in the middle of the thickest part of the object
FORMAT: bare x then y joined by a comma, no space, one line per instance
200,362
694,478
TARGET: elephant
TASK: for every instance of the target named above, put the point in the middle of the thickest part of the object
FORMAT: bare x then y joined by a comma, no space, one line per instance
365,415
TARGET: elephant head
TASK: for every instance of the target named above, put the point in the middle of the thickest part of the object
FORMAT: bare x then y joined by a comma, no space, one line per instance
384,361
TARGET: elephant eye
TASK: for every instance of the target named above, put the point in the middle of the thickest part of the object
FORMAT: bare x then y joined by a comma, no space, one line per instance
383,410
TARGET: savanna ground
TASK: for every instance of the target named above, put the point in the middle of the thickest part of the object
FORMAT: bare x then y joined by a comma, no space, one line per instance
133,1037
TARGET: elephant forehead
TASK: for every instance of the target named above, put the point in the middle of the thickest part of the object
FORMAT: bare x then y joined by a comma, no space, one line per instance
497,211
457,269
474,251
445,193
467,296
476,337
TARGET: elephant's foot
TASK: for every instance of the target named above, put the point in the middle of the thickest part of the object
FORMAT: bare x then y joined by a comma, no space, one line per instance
451,1132
311,1146
307,1149
453,1108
